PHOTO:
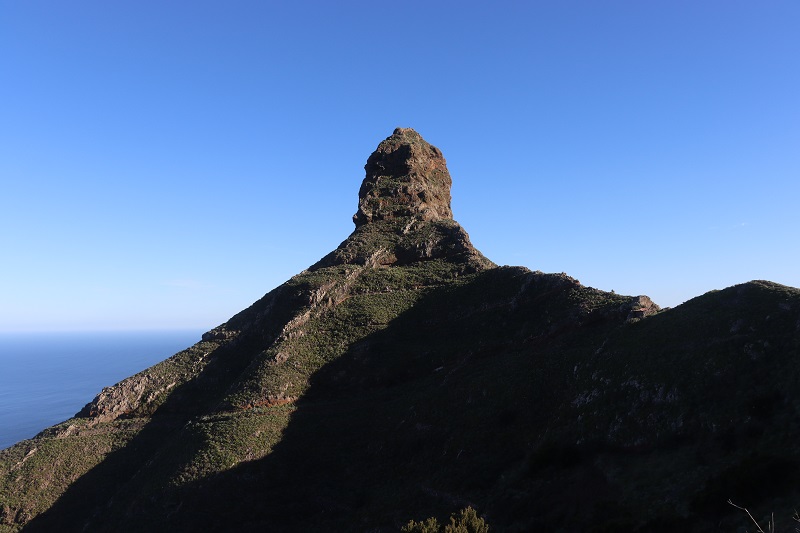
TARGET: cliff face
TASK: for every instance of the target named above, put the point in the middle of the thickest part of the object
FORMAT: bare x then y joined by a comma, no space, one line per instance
405,375
406,177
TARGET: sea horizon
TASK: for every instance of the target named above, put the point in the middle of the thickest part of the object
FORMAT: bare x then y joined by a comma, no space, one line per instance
48,376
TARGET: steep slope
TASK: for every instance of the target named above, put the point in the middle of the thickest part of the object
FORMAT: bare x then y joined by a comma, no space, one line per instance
404,375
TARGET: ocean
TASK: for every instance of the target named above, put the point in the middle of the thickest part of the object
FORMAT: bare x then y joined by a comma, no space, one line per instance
45,378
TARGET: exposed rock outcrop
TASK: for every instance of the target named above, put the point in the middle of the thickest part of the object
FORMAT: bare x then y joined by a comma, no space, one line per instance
642,306
141,393
406,176
404,213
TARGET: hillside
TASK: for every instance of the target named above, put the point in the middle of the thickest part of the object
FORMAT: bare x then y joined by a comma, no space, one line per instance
405,375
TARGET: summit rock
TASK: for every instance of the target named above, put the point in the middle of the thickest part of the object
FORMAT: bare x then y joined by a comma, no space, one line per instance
406,176
404,213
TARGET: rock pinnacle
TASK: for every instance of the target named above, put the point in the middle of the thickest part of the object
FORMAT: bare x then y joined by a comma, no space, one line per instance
405,177
404,214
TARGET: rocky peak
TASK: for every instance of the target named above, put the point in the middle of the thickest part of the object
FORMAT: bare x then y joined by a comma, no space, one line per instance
404,213
405,177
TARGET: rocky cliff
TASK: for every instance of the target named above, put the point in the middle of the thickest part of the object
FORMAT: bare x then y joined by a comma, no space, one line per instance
406,177
405,375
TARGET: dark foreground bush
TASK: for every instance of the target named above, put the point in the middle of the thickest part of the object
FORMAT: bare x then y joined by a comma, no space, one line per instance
465,521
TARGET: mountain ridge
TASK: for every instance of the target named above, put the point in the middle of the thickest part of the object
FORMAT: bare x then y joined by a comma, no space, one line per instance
405,375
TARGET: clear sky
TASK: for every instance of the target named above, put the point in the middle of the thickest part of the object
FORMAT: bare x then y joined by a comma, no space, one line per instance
165,164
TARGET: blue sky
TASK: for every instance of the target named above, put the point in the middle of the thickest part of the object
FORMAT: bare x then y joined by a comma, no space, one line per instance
164,164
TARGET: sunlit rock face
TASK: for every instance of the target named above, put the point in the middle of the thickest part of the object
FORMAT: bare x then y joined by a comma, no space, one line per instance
406,176
404,215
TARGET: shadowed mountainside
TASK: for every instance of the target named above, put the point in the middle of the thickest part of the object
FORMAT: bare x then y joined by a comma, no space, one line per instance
405,375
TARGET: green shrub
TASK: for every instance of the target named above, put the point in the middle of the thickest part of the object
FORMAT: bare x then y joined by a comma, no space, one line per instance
431,525
465,521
